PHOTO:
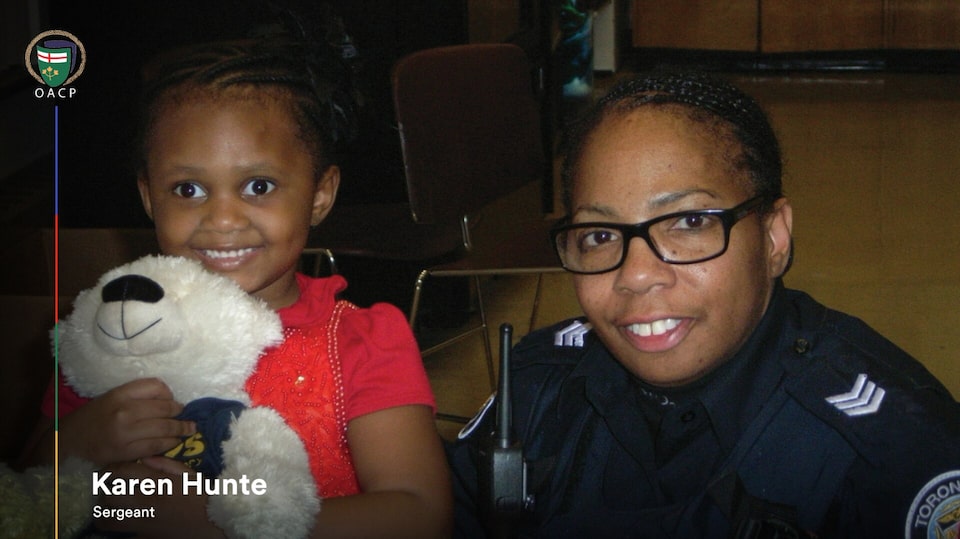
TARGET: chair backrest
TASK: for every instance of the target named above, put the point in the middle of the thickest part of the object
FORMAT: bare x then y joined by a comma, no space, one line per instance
469,127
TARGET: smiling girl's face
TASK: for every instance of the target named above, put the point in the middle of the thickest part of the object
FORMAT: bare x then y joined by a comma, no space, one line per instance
228,182
671,324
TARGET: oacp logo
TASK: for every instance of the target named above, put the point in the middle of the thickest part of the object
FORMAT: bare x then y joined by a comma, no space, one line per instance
55,59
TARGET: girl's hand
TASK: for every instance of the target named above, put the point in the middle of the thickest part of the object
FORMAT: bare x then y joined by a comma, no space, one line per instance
129,422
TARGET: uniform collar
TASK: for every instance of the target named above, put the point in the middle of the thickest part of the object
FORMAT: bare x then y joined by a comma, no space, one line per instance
598,377
732,395
610,390
738,390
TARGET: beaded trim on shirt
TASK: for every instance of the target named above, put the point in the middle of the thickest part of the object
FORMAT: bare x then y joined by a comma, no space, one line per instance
333,352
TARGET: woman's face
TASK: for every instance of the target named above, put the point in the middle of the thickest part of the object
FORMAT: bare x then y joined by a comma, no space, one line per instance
671,324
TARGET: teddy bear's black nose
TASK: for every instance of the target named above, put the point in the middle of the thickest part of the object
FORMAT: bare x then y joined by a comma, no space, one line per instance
132,288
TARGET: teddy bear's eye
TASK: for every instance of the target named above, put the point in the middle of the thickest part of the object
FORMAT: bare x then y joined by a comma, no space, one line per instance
189,190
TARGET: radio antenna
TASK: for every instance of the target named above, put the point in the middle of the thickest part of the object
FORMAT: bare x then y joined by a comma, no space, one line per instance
504,428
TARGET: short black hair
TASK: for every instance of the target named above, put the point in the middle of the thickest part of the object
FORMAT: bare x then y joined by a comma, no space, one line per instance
314,74
706,98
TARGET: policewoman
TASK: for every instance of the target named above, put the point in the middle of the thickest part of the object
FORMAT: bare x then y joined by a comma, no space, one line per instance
699,397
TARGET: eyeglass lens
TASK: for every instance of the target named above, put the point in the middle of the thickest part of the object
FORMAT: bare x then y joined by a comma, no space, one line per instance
680,238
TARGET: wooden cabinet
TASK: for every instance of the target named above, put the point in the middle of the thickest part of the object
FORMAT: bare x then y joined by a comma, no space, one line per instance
691,24
820,25
772,26
922,24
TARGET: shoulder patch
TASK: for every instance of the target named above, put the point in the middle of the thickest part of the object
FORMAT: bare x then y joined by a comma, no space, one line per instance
572,335
863,399
935,511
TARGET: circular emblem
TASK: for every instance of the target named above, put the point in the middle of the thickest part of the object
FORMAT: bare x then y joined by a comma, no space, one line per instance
935,511
55,58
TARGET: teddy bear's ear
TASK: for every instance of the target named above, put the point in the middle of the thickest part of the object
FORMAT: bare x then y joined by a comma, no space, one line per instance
81,311
55,335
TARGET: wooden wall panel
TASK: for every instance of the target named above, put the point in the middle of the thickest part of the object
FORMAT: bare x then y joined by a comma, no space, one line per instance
922,24
692,24
820,25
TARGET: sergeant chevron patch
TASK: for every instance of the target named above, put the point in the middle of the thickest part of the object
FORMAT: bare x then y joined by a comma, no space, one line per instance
863,399
572,335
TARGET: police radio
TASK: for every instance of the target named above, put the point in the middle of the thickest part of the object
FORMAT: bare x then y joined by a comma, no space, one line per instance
502,481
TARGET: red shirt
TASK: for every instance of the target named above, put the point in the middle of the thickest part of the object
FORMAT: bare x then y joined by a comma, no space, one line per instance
382,366
369,354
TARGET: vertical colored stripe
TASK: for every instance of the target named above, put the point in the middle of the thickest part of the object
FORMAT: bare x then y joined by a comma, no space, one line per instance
56,316
56,160
56,487
56,256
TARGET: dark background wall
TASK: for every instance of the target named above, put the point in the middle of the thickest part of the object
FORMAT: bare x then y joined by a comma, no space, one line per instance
97,185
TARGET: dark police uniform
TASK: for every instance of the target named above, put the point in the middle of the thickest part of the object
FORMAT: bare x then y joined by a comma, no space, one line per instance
817,427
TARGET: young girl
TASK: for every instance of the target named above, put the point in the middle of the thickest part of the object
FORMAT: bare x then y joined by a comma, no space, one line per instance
237,164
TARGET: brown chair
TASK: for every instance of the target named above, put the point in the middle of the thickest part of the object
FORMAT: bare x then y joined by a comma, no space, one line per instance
470,132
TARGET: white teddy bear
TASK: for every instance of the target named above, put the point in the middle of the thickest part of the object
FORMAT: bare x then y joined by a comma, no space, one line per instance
167,317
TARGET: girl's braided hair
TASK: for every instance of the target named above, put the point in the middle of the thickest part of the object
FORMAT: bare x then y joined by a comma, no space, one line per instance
706,99
313,72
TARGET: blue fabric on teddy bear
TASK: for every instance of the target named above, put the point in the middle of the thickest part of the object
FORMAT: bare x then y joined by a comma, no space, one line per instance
203,451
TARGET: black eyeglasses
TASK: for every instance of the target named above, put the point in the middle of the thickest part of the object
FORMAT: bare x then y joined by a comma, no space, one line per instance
685,237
